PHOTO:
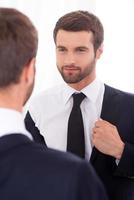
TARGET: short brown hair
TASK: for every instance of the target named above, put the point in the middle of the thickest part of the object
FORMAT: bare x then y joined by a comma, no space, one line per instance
81,21
18,44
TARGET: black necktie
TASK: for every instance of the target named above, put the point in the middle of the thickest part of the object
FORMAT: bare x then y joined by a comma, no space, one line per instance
75,137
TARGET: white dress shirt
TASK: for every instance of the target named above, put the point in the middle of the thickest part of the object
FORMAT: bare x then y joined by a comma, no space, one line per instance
12,122
51,109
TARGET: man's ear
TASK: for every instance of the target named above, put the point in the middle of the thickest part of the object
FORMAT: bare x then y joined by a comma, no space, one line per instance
29,71
99,51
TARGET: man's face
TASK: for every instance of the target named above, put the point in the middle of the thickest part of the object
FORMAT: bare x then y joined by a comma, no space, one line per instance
75,56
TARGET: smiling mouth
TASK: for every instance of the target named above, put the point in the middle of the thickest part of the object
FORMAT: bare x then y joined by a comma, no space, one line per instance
71,68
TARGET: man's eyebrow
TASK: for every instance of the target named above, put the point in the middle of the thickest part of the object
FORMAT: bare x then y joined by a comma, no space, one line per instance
60,46
81,47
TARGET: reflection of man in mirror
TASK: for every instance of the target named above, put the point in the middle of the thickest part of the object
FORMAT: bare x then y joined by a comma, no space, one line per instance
107,113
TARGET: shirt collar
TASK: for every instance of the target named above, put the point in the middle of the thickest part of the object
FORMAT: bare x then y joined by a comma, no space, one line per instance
11,121
67,92
91,91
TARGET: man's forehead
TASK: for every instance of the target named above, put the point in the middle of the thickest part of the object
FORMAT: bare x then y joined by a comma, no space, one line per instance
79,38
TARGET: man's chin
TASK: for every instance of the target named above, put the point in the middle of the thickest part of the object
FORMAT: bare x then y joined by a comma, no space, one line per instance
71,81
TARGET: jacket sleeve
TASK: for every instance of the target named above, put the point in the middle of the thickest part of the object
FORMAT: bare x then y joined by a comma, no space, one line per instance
33,129
126,164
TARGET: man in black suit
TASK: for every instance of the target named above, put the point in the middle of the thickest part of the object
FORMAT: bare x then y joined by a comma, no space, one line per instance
30,171
108,114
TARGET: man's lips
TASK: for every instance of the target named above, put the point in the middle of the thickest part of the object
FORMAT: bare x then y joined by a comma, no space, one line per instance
70,68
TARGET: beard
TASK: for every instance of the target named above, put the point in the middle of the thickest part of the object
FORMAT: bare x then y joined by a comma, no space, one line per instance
29,92
74,74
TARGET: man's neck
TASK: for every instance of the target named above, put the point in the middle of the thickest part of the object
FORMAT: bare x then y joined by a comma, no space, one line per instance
10,100
82,84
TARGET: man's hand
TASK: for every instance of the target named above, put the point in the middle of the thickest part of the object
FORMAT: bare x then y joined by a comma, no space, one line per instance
107,139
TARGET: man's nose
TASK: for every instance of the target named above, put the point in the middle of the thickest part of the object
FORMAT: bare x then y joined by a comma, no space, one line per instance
70,58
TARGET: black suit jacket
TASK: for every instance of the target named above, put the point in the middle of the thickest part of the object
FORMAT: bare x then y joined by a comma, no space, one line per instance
118,109
30,171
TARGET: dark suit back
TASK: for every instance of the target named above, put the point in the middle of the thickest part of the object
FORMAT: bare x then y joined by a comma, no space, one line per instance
30,171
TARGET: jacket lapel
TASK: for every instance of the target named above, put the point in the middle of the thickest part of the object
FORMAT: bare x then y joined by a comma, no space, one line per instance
111,105
110,111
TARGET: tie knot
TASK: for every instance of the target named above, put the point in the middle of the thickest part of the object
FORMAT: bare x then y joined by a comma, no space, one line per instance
78,98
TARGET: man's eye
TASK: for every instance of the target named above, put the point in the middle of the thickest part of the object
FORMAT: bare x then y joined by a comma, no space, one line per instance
81,50
61,49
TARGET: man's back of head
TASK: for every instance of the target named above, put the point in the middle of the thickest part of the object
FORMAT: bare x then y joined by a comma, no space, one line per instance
18,48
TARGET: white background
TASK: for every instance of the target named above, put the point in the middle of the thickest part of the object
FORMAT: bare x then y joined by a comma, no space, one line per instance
116,67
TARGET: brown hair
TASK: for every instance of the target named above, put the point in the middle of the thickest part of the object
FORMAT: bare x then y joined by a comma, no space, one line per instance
81,21
18,44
